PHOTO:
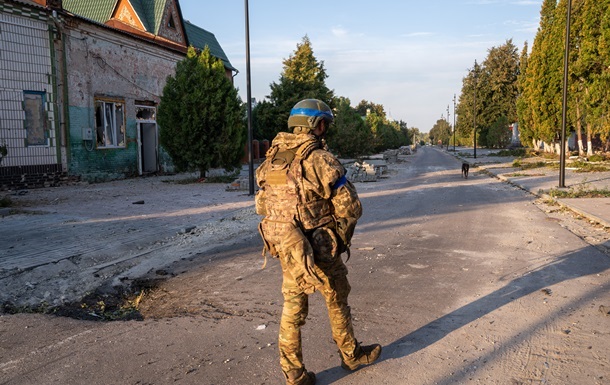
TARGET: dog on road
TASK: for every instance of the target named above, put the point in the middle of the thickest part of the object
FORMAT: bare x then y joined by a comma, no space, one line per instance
465,168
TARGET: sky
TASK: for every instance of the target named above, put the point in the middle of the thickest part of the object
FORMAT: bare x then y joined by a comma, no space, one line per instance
410,56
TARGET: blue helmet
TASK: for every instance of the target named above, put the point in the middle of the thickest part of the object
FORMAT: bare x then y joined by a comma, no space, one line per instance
308,113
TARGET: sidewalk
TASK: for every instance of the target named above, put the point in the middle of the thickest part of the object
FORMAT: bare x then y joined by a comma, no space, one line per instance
539,181
60,243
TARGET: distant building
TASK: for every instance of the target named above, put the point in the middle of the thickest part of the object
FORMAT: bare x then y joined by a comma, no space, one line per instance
80,84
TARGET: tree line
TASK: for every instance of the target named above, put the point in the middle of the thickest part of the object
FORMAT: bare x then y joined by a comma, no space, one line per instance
357,131
203,123
527,88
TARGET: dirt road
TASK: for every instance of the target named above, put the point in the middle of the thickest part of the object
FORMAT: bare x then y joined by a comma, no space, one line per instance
461,281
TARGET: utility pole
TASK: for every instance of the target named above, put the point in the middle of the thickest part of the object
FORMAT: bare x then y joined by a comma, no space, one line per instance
562,158
448,125
453,122
249,104
474,112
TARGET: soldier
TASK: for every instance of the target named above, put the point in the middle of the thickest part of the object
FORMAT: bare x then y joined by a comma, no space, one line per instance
310,211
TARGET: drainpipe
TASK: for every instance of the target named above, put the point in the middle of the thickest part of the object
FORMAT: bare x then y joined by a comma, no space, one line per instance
64,124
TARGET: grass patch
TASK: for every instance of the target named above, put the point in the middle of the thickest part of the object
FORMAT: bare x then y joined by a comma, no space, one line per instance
520,174
518,163
513,152
6,201
589,167
581,191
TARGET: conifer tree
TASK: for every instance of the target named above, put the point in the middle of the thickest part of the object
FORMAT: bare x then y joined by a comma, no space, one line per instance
303,77
349,136
201,117
544,77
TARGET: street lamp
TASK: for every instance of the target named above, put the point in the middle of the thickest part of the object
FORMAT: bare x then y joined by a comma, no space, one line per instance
453,122
562,158
474,112
249,104
448,124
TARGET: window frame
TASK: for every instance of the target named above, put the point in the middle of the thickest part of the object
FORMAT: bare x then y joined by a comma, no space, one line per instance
31,116
110,132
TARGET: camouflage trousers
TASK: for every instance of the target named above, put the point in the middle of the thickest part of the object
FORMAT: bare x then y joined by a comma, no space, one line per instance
335,289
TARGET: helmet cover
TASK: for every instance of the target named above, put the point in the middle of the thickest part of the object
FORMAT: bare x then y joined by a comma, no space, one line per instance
308,113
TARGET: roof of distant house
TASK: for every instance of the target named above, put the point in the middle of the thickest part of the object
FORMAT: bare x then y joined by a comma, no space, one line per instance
150,14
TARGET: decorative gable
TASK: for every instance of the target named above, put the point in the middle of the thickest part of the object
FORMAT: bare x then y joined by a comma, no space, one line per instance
170,26
126,13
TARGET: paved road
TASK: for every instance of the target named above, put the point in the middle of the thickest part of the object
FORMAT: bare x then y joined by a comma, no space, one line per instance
461,281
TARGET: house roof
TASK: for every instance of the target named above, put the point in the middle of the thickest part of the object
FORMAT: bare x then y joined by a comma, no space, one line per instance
99,10
200,38
150,13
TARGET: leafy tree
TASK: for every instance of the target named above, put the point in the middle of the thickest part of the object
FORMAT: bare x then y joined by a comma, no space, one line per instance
365,107
524,113
303,77
349,136
440,132
470,105
500,133
201,117
502,67
263,120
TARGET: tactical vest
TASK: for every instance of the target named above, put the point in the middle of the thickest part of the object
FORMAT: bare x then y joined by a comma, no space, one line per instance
284,204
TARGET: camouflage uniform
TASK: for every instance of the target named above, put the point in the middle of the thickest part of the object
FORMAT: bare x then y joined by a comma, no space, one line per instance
310,212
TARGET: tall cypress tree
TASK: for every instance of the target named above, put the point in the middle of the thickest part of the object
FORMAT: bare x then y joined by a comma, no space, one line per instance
544,76
524,112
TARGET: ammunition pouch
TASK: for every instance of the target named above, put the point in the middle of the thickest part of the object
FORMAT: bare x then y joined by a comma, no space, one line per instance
300,260
326,246
344,228
259,203
287,241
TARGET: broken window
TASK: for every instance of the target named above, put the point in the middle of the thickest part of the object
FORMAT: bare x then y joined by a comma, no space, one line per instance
35,119
110,123
145,113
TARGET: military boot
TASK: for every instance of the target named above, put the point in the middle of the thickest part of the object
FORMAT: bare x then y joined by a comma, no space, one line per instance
300,377
363,355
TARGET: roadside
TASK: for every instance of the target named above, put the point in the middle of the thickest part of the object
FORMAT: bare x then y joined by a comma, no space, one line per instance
63,243
108,240
509,297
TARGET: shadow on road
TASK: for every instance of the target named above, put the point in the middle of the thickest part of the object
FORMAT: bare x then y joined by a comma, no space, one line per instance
578,264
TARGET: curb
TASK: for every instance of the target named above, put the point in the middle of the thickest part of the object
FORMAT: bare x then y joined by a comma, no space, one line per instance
589,216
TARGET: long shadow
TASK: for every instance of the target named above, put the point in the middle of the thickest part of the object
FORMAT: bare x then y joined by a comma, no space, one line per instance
578,264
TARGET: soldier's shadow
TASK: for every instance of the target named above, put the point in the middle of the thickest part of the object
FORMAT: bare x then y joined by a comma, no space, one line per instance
581,263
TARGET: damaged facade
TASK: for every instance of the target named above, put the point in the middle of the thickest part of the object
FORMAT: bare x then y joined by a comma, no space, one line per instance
80,83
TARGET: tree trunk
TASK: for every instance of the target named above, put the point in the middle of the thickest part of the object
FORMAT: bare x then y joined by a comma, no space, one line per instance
589,142
581,150
536,144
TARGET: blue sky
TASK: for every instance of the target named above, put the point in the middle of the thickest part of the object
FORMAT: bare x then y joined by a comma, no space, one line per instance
409,56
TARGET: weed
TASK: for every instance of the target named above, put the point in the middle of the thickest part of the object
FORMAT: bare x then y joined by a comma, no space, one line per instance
528,165
582,166
583,190
6,201
514,152
597,158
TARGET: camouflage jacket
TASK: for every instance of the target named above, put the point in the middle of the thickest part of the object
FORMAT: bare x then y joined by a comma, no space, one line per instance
303,184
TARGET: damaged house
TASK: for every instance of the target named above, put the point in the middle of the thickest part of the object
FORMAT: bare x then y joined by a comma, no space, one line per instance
80,84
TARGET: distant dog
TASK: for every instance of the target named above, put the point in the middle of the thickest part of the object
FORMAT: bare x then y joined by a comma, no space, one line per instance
465,168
